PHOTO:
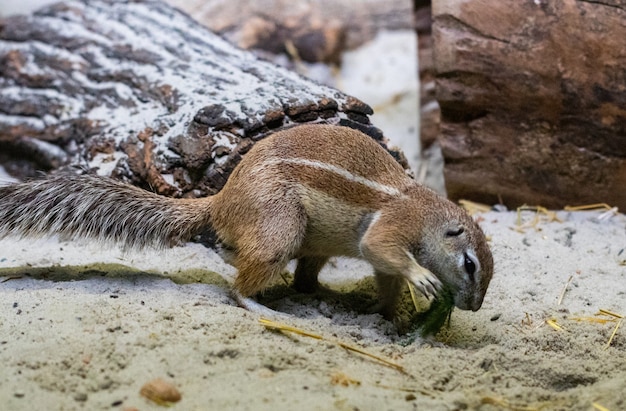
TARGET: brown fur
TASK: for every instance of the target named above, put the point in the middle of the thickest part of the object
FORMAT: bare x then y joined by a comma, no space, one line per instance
309,192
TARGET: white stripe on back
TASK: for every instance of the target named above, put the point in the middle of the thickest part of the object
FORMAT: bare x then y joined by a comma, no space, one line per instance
340,171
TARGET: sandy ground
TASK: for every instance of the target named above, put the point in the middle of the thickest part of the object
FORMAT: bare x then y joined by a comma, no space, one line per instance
89,327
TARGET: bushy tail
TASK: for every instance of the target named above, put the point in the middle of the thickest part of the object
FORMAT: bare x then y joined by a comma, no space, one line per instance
75,206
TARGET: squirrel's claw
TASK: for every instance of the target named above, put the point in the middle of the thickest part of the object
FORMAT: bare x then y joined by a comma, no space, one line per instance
255,307
426,282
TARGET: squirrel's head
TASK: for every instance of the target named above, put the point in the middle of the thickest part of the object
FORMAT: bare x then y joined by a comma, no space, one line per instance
454,248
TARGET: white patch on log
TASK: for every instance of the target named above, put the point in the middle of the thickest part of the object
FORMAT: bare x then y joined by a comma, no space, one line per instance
105,163
13,121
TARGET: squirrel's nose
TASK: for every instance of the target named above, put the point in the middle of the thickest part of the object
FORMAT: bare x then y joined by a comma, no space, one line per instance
468,303
477,303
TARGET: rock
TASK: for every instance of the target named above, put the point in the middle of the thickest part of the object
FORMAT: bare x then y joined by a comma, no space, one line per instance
533,100
160,392
141,92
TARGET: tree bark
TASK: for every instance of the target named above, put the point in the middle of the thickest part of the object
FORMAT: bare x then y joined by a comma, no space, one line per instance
429,108
140,91
533,100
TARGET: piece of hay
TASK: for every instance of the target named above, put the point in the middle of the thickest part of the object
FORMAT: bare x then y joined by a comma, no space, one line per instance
619,323
552,323
473,208
599,407
549,216
593,320
596,206
602,311
618,317
608,210
614,317
560,300
288,328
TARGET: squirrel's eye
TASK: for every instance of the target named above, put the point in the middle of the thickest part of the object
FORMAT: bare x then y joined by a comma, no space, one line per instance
455,232
470,266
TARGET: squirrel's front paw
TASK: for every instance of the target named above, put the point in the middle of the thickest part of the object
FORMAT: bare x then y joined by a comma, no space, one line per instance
425,281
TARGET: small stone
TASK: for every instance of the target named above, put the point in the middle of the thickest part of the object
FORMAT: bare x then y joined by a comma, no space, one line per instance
19,394
160,391
106,384
80,396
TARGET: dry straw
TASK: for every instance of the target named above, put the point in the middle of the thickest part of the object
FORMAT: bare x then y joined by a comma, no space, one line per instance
560,300
599,407
288,328
502,403
541,214
552,323
474,208
608,210
618,318
600,318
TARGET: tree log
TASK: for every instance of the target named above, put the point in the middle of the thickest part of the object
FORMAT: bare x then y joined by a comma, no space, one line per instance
533,100
429,108
317,30
140,91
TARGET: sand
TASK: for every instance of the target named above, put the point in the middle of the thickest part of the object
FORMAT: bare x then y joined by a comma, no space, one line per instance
85,326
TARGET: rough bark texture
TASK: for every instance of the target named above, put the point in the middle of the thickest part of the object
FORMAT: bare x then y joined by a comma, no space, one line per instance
533,100
429,108
315,30
140,91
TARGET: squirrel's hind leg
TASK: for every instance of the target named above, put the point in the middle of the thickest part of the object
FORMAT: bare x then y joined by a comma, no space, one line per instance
307,270
262,254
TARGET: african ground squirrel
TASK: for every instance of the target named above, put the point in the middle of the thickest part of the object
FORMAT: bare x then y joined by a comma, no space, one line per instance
307,193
